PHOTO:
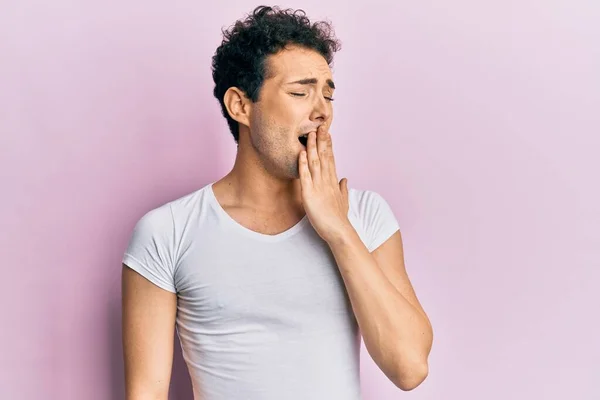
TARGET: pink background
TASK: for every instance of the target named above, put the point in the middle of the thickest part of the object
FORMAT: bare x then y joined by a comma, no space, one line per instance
479,123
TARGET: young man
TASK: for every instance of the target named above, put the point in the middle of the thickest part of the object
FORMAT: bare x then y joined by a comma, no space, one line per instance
273,273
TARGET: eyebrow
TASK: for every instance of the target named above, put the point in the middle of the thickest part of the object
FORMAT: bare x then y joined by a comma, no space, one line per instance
312,81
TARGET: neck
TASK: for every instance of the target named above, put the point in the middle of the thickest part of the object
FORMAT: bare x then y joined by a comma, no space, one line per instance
249,184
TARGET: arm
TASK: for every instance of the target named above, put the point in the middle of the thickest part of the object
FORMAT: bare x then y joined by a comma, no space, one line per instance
148,337
396,331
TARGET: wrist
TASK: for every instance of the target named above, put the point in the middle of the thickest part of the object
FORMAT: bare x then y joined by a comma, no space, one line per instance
344,235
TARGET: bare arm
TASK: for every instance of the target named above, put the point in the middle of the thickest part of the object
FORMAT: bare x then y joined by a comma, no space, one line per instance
396,331
148,335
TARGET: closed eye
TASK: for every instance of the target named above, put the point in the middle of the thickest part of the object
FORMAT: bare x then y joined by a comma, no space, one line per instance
303,94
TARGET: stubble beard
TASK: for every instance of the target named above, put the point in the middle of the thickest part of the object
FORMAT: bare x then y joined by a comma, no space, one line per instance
274,152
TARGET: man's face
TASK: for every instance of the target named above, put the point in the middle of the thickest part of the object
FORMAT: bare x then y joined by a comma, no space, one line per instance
294,100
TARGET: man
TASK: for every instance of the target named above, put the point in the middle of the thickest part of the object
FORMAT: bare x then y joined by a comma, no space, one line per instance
273,273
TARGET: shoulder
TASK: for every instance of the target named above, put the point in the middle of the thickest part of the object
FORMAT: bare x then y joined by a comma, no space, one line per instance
155,219
179,206
161,219
364,202
372,216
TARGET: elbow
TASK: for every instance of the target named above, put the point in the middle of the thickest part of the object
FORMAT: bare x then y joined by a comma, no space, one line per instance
411,376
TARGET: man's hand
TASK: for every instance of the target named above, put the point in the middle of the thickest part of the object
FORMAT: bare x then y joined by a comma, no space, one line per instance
325,199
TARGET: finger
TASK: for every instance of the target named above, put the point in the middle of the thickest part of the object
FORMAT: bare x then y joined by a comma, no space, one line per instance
344,187
305,177
344,190
323,151
314,165
332,166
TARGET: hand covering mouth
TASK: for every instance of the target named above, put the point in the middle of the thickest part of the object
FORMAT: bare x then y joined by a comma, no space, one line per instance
304,137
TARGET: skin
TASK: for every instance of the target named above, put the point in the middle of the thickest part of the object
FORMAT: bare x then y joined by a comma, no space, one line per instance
263,189
275,182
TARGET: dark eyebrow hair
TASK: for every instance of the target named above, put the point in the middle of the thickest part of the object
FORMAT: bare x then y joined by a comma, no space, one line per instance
312,81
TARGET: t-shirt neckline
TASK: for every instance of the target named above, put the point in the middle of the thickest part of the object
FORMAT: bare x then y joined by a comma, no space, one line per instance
224,216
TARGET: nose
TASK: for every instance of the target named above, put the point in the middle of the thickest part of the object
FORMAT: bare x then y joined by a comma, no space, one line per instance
321,110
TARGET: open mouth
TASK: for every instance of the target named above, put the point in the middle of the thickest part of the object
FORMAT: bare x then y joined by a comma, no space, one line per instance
303,139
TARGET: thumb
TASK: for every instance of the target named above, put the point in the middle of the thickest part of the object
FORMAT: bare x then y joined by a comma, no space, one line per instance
344,187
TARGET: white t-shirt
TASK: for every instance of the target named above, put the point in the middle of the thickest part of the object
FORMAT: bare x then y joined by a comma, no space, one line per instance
259,317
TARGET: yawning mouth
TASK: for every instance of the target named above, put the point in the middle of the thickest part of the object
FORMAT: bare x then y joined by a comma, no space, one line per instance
303,139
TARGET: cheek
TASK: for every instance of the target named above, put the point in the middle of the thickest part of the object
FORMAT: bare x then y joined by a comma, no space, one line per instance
278,121
261,124
291,112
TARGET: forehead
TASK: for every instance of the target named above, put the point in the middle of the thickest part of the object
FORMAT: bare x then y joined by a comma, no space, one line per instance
297,63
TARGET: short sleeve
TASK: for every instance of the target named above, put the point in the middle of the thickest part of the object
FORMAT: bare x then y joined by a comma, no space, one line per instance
150,249
376,218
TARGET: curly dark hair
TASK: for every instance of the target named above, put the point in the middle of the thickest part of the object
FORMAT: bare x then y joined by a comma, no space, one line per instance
240,59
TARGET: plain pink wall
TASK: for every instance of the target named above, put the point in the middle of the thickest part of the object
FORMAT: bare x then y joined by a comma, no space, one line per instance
479,123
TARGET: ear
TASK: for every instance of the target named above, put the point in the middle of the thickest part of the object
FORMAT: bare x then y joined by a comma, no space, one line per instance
238,105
